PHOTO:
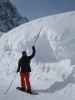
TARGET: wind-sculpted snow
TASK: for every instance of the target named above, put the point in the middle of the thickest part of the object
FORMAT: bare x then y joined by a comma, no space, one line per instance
56,39
51,71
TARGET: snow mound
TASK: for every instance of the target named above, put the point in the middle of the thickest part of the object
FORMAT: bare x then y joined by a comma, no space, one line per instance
56,41
56,38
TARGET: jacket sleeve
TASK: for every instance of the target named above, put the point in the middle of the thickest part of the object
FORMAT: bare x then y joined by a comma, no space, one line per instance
33,53
19,65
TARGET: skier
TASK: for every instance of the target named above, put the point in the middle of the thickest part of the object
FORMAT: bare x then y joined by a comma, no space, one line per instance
25,69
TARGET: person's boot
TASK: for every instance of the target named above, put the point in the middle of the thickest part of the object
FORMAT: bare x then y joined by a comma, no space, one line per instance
23,89
29,91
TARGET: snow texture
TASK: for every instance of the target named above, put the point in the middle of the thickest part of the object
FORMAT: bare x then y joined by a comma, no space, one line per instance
53,68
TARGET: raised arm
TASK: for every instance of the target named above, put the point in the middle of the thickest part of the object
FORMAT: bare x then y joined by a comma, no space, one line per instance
33,53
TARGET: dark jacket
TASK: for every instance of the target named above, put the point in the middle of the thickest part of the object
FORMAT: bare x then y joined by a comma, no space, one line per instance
24,62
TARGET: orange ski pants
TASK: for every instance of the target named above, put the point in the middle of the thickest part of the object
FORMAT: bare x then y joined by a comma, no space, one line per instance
25,82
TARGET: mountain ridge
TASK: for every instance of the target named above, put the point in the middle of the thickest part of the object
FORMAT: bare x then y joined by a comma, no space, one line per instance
9,16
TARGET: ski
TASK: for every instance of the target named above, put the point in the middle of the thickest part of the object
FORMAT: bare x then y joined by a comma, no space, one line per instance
33,92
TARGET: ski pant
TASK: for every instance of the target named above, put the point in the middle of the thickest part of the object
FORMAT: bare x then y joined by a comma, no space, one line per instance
25,82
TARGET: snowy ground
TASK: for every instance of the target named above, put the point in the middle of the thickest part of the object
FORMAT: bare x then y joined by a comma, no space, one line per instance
52,80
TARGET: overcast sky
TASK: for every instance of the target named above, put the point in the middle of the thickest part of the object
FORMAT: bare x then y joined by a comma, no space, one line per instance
37,8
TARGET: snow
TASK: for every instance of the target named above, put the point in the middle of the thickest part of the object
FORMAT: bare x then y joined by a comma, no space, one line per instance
53,67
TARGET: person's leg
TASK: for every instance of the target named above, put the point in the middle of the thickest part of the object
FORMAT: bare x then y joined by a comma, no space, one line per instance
27,76
22,78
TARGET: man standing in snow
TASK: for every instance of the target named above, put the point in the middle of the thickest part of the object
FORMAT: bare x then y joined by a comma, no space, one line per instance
25,69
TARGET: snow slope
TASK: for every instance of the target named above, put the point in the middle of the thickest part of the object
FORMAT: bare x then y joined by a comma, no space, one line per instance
52,70
57,31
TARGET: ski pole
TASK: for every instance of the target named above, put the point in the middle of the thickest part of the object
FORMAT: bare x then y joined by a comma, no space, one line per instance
10,85
36,38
